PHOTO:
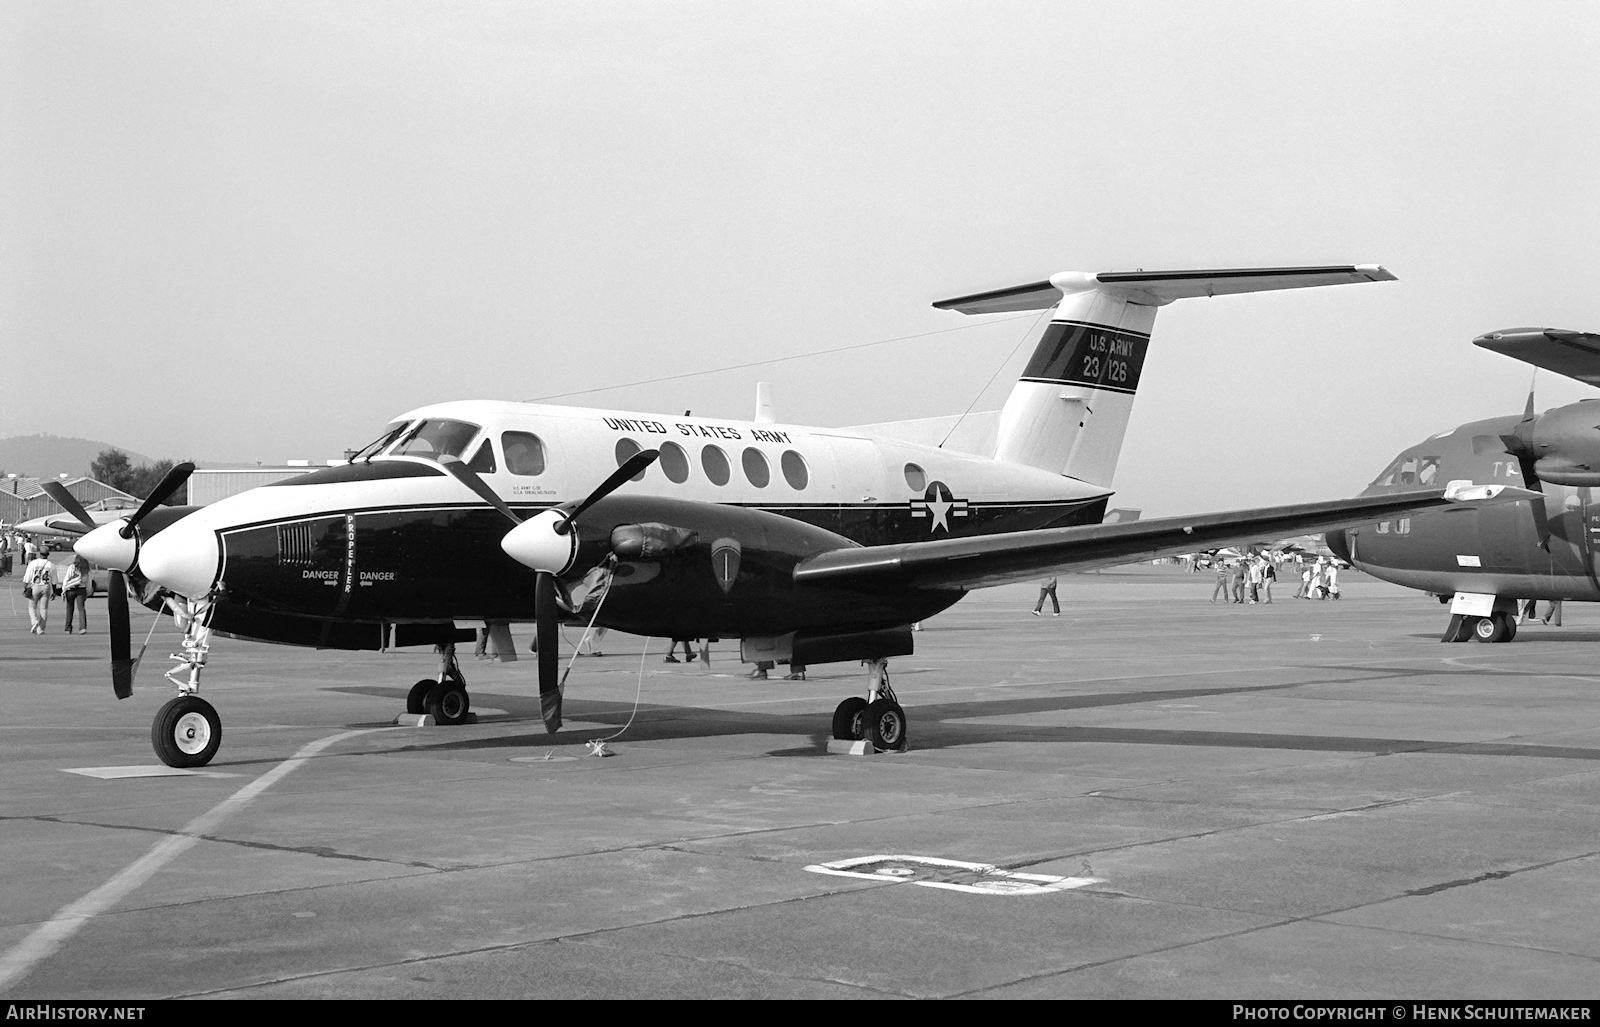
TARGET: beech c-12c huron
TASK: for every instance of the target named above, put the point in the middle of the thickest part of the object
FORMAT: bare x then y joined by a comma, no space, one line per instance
809,545
1483,562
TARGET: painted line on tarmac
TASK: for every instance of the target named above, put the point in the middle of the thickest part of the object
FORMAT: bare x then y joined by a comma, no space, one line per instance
49,936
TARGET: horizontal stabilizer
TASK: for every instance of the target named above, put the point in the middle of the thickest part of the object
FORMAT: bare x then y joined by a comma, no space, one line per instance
1160,287
1573,354
983,560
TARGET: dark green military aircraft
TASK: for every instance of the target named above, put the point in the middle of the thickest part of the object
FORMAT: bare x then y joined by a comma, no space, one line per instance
1484,561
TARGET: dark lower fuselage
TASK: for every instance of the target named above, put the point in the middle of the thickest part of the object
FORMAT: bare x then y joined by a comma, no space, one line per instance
339,580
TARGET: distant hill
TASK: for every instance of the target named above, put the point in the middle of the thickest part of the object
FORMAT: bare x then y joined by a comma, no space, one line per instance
45,456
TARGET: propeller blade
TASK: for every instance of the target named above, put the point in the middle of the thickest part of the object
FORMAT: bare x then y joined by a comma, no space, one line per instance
468,477
546,617
69,502
173,480
121,643
1541,522
1520,445
630,467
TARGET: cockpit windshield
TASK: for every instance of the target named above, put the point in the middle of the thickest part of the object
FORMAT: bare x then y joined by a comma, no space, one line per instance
371,449
435,437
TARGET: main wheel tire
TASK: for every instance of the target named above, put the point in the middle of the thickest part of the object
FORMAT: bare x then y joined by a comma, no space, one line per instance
448,703
417,698
1511,628
848,722
886,725
187,732
1490,629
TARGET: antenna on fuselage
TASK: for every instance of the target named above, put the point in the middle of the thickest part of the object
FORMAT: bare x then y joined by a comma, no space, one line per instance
764,403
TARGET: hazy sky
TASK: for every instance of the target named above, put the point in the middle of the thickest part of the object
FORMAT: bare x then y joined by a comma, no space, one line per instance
257,231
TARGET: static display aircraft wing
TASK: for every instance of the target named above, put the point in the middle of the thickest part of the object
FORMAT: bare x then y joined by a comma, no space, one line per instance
986,560
67,525
1574,354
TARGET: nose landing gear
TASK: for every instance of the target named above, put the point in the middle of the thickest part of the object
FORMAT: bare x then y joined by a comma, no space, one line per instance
187,731
1497,627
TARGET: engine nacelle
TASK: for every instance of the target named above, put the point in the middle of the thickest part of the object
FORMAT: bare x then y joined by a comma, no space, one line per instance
1564,442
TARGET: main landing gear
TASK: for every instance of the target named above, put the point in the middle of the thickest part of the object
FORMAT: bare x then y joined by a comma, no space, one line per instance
1497,627
878,718
444,698
187,731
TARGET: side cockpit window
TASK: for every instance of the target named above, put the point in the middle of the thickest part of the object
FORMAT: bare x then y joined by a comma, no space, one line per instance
1410,471
436,437
524,453
483,460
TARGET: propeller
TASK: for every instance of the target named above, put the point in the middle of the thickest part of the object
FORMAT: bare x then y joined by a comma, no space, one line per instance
109,546
1519,443
547,543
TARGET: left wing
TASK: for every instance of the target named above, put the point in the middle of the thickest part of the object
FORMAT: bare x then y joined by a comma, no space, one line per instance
984,560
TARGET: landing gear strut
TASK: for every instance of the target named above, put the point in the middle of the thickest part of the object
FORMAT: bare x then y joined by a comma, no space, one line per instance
445,697
878,718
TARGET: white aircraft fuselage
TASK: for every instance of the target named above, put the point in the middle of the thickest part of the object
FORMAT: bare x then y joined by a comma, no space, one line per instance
392,539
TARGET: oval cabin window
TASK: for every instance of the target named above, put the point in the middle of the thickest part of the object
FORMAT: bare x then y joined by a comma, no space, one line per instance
674,462
626,448
755,468
715,463
916,478
794,469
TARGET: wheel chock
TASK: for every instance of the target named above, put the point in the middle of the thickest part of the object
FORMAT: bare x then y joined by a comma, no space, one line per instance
845,747
415,720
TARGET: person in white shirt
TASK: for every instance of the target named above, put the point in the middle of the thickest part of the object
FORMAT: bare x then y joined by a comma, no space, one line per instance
40,580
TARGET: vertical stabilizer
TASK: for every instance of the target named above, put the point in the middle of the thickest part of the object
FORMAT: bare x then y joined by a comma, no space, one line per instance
1069,410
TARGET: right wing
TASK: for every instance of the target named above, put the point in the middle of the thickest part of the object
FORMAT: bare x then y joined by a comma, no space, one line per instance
1574,354
983,560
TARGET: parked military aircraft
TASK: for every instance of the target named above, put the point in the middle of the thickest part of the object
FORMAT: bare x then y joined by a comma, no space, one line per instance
1483,561
68,525
809,545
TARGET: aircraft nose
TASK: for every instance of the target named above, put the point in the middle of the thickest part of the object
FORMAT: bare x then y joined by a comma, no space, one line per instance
105,547
184,558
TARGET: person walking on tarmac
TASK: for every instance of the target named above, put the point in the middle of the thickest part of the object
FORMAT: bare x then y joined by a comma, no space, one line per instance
1047,588
39,584
1221,581
75,589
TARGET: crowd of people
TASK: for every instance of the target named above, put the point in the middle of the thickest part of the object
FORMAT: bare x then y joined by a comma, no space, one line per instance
1250,578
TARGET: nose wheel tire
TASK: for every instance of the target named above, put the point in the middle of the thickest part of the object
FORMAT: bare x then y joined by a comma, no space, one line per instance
886,725
448,703
1496,628
848,723
187,732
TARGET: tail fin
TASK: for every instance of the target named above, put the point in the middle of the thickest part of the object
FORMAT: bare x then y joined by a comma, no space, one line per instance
1068,412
